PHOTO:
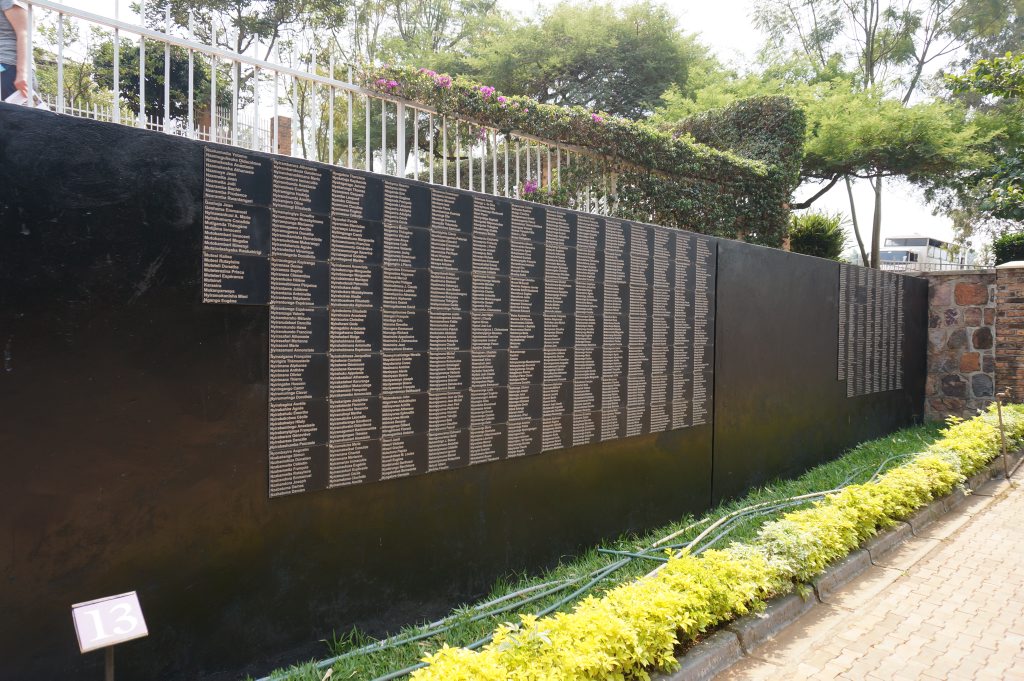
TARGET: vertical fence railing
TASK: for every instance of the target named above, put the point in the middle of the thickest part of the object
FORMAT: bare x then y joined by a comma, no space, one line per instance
292,109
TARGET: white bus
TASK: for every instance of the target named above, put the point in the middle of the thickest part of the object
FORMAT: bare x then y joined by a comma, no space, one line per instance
921,253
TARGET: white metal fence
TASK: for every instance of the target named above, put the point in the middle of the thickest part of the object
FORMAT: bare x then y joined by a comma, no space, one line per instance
928,266
262,105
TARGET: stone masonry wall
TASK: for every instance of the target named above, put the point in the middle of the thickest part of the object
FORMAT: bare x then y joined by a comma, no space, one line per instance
961,342
1010,329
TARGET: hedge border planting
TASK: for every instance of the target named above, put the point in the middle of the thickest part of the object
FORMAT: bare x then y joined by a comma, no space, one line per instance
636,627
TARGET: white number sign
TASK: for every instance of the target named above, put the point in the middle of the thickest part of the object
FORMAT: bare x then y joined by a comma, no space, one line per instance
108,621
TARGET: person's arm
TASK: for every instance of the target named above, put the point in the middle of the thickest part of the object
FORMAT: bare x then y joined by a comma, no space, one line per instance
19,21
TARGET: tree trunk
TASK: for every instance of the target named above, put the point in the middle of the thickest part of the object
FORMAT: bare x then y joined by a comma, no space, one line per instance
856,225
876,223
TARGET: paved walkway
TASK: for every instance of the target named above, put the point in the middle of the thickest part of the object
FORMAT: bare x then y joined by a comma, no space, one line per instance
948,604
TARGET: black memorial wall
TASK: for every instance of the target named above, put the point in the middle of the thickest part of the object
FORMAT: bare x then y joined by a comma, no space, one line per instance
280,399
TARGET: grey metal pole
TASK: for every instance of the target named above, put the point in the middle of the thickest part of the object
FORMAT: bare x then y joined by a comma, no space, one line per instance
167,70
1002,432
117,66
60,63
108,674
191,85
142,68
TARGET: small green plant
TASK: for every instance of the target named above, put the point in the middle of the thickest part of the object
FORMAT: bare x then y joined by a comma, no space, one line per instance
817,234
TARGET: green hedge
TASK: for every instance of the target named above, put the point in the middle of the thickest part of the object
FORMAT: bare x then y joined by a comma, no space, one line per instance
817,234
1009,247
636,627
736,184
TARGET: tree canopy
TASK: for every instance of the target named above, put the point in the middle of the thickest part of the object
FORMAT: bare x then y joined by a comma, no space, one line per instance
618,60
999,186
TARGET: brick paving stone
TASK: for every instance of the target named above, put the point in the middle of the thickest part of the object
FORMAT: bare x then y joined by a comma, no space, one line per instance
947,604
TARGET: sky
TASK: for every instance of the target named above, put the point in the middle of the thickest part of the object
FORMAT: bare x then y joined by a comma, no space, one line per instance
727,27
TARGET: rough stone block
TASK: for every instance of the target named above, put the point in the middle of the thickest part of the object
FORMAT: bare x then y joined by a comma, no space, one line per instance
970,294
988,364
840,573
957,340
981,385
940,294
953,385
707,659
990,316
982,339
970,361
753,630
947,405
882,543
972,316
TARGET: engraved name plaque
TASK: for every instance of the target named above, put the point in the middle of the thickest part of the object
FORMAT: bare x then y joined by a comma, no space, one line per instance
870,352
418,328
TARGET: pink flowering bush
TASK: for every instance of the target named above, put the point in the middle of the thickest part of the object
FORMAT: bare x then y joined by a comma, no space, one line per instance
622,141
660,177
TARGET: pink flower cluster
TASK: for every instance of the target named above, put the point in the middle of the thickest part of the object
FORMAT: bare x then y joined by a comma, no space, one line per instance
530,187
486,91
597,119
388,84
440,79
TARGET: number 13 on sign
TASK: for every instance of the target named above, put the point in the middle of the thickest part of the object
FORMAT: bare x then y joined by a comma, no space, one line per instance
108,621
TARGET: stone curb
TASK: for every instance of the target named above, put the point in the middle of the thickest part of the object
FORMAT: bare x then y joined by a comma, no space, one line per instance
743,636
838,574
707,659
927,515
754,630
883,543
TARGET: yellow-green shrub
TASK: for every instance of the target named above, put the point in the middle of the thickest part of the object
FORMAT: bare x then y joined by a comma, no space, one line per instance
636,626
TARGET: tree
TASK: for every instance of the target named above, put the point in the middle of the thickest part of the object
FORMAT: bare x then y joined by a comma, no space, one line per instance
103,65
236,25
885,45
998,187
1008,247
80,87
428,29
854,133
614,60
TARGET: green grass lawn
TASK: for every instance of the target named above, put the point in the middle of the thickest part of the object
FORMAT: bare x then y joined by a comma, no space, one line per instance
604,567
